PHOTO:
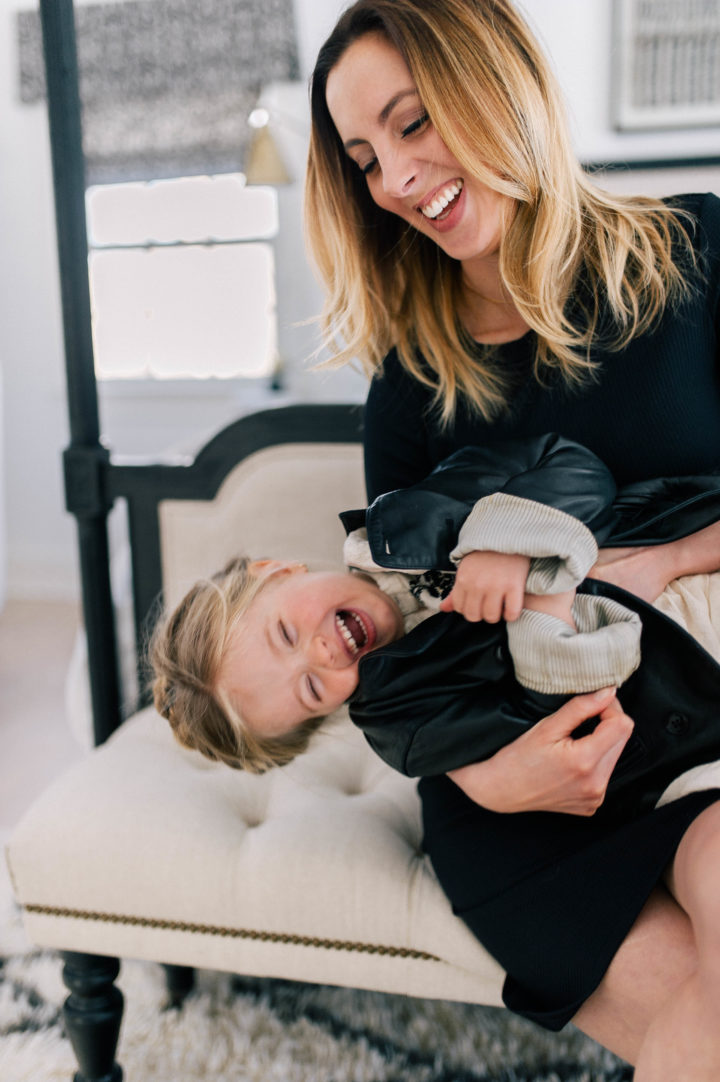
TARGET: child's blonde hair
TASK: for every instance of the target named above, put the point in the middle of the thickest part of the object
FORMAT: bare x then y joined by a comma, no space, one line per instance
185,654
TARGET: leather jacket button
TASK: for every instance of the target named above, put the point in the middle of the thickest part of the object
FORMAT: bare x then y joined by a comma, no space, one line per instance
677,724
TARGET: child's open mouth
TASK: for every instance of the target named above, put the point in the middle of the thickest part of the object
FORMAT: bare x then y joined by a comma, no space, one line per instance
354,629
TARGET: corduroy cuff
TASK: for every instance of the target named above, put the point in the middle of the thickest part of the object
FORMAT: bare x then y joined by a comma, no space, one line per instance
551,657
561,547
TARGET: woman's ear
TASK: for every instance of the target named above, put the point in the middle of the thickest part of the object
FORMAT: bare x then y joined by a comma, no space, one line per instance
263,569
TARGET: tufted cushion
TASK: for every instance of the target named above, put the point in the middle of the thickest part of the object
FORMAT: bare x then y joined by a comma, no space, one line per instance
282,502
312,872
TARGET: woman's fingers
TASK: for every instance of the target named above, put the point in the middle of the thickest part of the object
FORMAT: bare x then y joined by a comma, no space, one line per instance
546,769
590,759
581,707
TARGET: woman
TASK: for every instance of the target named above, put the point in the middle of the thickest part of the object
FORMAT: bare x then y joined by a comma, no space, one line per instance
494,292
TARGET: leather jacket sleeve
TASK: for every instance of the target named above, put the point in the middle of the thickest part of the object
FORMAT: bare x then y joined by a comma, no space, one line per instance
664,509
445,695
418,527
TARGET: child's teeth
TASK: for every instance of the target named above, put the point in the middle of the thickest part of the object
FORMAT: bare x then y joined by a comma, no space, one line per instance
347,634
344,631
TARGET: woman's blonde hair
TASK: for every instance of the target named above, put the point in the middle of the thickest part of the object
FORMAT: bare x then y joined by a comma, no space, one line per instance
185,654
572,255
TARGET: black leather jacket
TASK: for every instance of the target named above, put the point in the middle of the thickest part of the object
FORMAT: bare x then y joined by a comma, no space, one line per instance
445,694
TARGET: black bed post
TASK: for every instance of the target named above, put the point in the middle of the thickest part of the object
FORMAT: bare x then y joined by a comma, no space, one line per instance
93,1009
85,460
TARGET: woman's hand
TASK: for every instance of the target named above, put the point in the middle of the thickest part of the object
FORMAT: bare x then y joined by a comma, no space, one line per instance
646,571
545,769
488,586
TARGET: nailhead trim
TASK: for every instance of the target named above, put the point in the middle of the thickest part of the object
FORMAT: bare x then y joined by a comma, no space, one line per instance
236,933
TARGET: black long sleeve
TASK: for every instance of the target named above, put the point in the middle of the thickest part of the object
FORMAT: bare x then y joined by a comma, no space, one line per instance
654,408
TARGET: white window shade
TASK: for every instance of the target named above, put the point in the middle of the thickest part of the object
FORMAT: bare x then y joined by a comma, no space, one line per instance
190,210
178,290
177,313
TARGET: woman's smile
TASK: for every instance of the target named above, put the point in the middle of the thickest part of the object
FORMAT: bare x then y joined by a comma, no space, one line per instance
444,209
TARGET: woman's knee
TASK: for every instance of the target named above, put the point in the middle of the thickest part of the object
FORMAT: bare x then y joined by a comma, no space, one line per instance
694,880
653,962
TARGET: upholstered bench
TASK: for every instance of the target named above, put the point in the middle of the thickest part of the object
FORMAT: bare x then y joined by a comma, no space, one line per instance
146,850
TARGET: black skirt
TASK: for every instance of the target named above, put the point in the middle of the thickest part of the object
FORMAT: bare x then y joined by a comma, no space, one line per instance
550,896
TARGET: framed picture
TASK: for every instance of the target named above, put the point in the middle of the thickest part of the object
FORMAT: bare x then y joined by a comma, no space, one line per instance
666,57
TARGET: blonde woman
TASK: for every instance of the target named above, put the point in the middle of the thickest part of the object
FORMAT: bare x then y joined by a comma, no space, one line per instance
492,292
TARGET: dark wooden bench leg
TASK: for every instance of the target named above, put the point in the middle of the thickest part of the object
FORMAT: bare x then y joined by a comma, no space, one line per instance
180,982
93,1012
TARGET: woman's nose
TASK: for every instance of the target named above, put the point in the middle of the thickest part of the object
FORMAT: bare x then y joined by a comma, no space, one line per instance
398,173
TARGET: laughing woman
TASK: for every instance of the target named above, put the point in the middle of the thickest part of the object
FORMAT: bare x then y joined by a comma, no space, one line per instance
493,291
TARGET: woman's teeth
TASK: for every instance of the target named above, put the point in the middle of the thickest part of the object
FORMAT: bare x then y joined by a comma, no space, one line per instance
353,630
442,200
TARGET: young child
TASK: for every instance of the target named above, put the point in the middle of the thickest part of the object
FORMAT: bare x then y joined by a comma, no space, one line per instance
253,659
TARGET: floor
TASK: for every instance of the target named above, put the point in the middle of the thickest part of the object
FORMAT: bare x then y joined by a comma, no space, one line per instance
36,744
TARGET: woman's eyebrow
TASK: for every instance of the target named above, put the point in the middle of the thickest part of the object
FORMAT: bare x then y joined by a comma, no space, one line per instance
383,116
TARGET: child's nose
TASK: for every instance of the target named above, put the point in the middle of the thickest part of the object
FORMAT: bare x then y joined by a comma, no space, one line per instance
322,652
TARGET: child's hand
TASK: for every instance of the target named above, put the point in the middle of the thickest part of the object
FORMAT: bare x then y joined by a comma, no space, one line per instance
489,586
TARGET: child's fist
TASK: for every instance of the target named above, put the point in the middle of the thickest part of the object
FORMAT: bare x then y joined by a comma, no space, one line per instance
489,586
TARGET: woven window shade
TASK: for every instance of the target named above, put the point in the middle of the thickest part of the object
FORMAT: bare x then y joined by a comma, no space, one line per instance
167,85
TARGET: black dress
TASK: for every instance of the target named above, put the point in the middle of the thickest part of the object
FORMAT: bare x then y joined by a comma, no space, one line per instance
553,896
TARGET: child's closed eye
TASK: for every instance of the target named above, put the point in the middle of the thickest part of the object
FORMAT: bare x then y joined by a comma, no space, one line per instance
313,689
285,633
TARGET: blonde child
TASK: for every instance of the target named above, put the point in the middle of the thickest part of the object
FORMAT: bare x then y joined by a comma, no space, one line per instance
253,659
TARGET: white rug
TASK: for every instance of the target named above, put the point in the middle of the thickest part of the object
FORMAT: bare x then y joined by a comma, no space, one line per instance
247,1030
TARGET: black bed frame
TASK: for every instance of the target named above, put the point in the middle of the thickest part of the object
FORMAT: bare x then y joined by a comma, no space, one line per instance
92,480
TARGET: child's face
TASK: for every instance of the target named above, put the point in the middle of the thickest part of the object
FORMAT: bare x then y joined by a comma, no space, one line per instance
294,654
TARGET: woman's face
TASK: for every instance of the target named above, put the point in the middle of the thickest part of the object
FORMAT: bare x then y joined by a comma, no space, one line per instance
409,170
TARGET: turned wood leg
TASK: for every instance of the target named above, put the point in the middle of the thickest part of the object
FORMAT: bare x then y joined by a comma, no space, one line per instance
180,981
92,1013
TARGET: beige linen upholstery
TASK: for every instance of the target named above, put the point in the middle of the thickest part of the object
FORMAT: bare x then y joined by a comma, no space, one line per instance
282,502
312,872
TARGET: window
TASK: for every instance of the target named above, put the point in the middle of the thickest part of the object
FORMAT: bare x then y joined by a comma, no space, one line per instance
182,278
182,270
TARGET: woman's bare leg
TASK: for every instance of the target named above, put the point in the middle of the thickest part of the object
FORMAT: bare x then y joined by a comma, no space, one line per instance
683,1041
658,1005
656,959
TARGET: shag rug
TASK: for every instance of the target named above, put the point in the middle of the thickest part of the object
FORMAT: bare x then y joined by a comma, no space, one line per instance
233,1029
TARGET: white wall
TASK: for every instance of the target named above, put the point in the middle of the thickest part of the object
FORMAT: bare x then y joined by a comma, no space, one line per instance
40,541
38,548
577,35
40,536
